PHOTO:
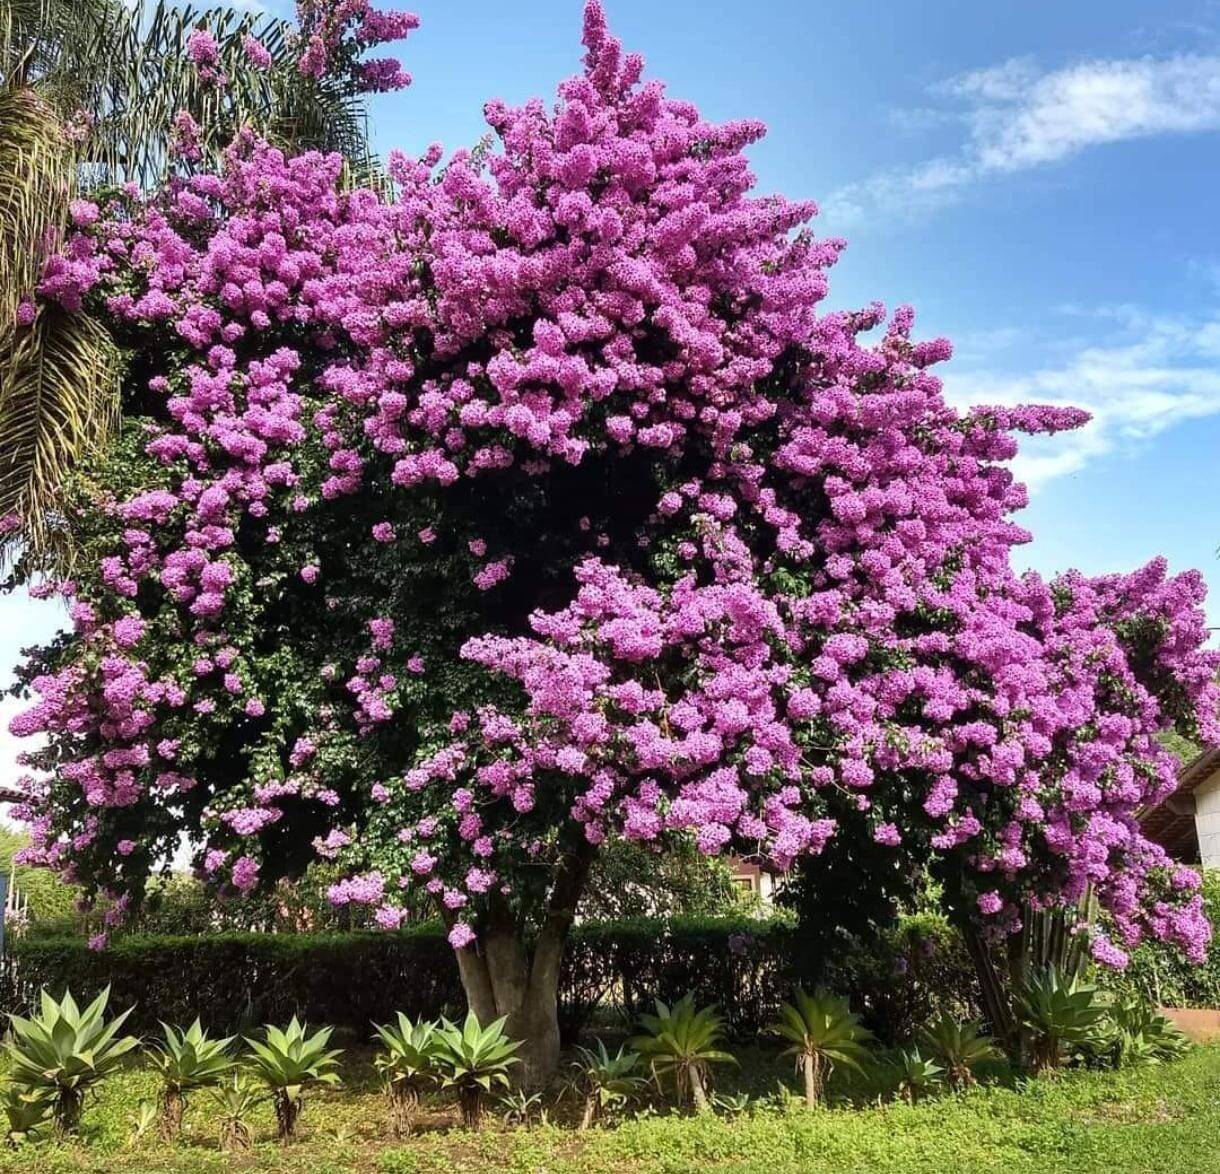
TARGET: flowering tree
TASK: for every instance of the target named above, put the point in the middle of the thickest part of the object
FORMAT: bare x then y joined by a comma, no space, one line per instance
451,536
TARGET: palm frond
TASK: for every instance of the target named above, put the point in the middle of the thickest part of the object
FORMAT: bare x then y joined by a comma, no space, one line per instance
36,166
59,401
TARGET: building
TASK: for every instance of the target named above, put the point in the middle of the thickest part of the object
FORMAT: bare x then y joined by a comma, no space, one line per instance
753,880
1187,823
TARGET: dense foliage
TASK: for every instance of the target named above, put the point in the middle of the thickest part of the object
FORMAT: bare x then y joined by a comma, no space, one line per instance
747,968
452,535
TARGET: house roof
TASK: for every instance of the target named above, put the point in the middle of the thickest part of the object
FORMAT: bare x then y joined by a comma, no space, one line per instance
1171,823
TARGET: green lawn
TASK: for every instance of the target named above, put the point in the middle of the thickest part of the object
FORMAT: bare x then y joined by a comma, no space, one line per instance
1154,1119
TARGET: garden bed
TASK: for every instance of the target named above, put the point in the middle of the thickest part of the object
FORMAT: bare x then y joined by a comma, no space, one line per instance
1164,1118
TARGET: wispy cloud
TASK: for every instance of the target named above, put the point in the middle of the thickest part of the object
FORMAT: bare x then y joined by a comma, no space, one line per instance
1016,116
1148,374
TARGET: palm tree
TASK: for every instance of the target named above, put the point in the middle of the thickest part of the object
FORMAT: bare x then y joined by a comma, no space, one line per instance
822,1031
89,92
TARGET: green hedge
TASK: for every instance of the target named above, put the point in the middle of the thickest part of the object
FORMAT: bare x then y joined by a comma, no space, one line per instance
745,966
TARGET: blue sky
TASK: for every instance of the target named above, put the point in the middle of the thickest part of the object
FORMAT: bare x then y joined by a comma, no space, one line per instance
1037,178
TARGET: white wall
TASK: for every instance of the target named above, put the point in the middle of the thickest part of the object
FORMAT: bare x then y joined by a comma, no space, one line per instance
1207,821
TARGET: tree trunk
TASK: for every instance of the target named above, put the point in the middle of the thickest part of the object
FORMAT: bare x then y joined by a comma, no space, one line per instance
501,977
995,989
404,1104
697,1090
172,1107
470,1100
590,1114
812,1081
287,1110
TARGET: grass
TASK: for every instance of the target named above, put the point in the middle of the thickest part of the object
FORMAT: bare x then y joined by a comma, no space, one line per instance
1144,1120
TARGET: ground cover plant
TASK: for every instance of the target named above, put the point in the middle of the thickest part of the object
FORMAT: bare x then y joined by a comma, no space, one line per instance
1161,1118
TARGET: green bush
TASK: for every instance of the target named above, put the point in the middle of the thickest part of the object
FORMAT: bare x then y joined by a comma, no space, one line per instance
745,966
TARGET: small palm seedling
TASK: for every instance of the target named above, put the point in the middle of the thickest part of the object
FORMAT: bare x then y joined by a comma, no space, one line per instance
236,1100
605,1082
64,1051
822,1031
732,1105
27,1114
683,1041
474,1060
521,1108
1061,1014
407,1064
186,1061
918,1075
142,1121
961,1048
288,1061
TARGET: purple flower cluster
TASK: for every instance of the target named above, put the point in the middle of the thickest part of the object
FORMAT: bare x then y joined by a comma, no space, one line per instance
334,32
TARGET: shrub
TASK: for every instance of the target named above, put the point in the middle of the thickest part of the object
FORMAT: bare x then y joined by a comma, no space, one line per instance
186,1061
605,1082
407,1063
822,1031
142,1120
1061,1015
27,1113
288,1061
236,1100
1134,1034
1161,975
521,1107
474,1059
235,981
918,1075
746,967
960,1047
63,1052
683,1041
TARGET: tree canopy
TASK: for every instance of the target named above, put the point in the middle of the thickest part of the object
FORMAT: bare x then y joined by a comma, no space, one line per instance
453,534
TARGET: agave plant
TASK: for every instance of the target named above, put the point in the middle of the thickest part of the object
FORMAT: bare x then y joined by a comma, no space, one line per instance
520,1107
407,1065
288,1061
605,1082
918,1075
960,1047
1134,1034
142,1121
683,1041
64,1051
187,1060
822,1031
27,1113
1060,1014
474,1060
236,1100
732,1105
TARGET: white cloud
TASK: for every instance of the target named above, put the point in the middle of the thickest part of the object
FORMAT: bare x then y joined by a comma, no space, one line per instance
1017,117
1151,373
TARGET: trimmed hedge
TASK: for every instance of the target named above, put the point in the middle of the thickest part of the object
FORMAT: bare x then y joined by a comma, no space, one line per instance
745,966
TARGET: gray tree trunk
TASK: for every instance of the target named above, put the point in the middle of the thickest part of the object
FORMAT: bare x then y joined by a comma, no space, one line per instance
501,976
